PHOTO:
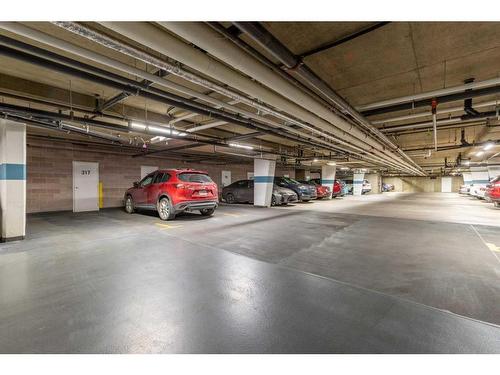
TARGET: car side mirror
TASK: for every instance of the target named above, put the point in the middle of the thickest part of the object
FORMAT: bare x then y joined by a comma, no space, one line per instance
136,184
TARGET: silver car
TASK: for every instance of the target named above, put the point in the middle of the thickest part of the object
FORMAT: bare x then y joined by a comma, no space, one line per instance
242,192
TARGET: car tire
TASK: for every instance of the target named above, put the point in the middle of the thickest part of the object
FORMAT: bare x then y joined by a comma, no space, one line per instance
207,211
497,204
129,205
230,198
273,201
165,209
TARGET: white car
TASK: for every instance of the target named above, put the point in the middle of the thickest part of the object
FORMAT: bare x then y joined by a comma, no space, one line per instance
367,187
478,191
464,189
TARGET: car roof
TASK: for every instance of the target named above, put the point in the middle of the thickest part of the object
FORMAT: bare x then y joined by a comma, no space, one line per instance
187,170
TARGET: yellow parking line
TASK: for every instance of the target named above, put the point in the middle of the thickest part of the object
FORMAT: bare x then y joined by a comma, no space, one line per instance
493,247
168,226
233,215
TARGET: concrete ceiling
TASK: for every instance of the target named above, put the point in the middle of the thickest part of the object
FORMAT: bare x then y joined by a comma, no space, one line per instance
397,59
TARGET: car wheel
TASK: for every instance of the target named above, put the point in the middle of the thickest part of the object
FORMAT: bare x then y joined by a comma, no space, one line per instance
207,211
497,204
165,209
129,205
273,201
230,198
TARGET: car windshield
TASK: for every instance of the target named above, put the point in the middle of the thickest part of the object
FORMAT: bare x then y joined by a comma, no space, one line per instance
194,177
289,180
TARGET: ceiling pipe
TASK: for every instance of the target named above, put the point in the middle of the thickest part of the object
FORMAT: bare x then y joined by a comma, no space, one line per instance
174,69
147,29
413,116
115,64
295,65
429,94
298,104
127,85
428,124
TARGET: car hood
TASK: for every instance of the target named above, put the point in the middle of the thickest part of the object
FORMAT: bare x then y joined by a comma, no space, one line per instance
283,190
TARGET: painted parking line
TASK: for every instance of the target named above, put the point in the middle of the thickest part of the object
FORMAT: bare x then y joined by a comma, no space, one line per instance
487,244
493,247
233,214
168,226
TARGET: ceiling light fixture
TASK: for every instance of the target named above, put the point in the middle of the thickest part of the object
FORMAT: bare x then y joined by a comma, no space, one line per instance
479,153
488,146
332,163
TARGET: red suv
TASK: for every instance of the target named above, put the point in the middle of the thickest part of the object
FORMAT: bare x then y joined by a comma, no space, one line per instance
337,189
172,191
493,191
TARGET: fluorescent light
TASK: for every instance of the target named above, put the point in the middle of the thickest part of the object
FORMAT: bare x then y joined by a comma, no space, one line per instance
479,153
488,146
344,168
237,145
138,126
465,162
315,160
332,163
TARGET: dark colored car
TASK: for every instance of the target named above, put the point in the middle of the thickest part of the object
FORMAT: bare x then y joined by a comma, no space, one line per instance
173,191
242,192
337,187
387,187
321,191
304,192
493,191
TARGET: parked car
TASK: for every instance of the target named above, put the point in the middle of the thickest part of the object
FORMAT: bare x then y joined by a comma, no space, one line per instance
337,187
304,192
493,191
478,191
464,189
366,188
321,191
173,191
242,192
387,187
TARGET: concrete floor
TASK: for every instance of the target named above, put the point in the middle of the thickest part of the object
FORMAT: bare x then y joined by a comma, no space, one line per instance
391,273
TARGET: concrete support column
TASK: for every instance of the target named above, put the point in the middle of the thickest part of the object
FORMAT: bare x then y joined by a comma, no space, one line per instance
467,178
493,171
12,180
357,183
263,182
480,177
375,179
328,176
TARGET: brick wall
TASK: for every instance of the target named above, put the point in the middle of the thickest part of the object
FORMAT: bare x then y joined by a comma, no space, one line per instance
50,173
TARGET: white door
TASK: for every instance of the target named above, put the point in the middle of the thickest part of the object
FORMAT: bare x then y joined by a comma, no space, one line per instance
446,184
226,178
146,169
85,186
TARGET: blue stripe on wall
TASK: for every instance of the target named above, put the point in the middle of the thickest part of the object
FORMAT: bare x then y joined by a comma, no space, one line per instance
357,182
263,179
12,171
480,181
326,182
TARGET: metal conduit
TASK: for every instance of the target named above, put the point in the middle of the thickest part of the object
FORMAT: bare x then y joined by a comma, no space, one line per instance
303,105
176,70
296,66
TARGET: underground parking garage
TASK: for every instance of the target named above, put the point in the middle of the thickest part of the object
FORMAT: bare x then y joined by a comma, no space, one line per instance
249,187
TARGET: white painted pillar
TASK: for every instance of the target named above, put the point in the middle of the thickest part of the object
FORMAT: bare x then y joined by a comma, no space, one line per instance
12,180
357,183
467,178
480,177
328,176
263,182
493,171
